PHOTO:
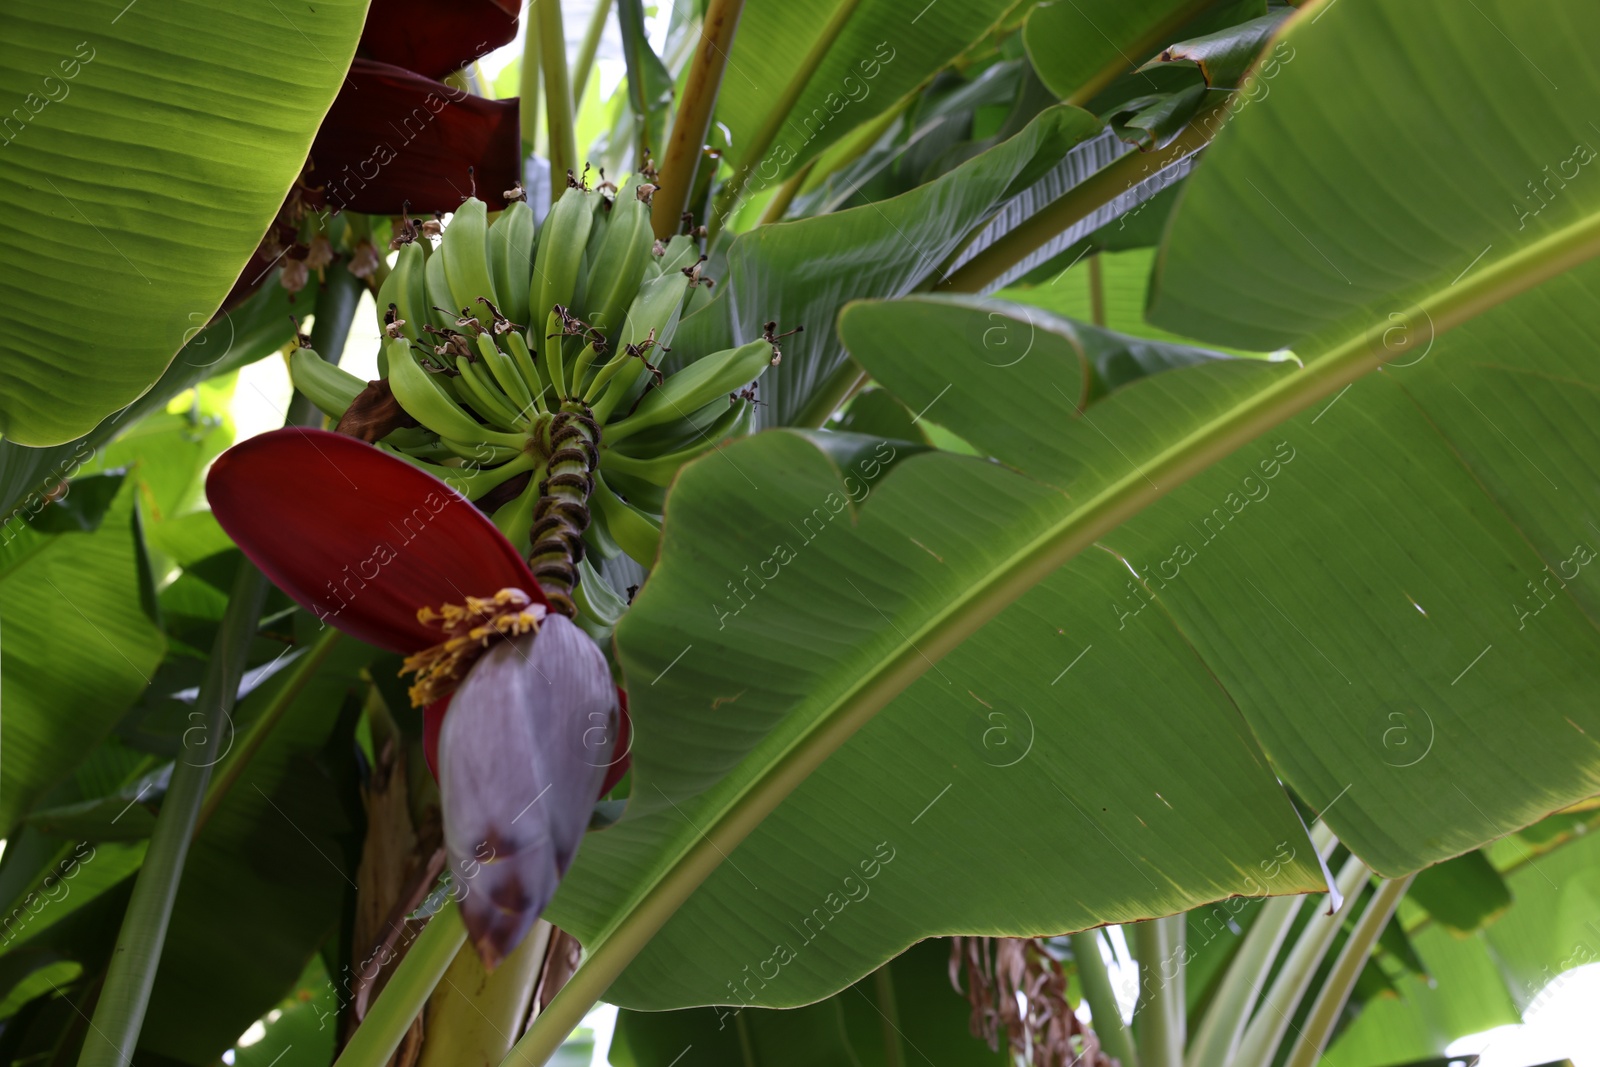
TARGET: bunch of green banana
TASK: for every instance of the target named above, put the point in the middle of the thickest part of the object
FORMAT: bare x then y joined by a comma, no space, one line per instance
527,357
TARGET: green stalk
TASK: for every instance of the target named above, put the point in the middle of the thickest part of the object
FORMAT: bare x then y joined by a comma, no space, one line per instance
407,990
336,309
528,88
630,20
737,805
693,120
1115,1039
1265,1032
558,96
1216,1040
1078,203
1158,1020
586,51
119,1014
785,195
778,114
889,1010
252,741
1330,1002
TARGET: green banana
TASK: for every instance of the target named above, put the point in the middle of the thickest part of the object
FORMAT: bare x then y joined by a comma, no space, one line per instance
430,404
485,396
515,517
470,481
682,251
595,597
559,259
694,387
653,316
465,249
512,240
617,264
661,469
332,390
436,296
637,533
506,374
523,357
406,288
481,451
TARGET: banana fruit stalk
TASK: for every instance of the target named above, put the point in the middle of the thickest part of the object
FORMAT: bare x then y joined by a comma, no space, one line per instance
528,357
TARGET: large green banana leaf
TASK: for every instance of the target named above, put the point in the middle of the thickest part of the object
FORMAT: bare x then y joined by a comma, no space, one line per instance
239,337
79,644
906,1012
270,873
1078,47
802,73
801,273
1357,570
144,149
1487,979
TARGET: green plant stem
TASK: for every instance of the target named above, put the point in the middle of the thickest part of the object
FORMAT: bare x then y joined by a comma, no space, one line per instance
558,96
635,44
264,724
1078,203
785,195
778,114
528,79
407,990
1097,291
734,811
119,1014
586,50
336,310
1216,1039
1158,1019
693,120
1115,1039
1336,988
1262,1037
889,1010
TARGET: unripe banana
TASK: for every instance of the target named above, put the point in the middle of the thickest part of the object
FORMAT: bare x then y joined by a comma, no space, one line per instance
682,251
506,374
559,258
485,396
427,402
465,249
438,297
662,468
406,288
694,387
617,265
515,517
474,479
650,499
637,533
596,599
512,241
523,357
653,316
332,390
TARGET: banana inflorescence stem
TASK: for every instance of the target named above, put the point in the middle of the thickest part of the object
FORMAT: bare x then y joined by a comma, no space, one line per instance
561,514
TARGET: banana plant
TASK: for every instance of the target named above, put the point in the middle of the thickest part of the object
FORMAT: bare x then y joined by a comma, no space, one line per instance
1149,470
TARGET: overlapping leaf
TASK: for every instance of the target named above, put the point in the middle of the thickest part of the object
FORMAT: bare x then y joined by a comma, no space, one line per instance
145,148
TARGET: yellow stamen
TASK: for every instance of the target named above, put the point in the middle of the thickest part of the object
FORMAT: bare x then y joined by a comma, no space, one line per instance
469,629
